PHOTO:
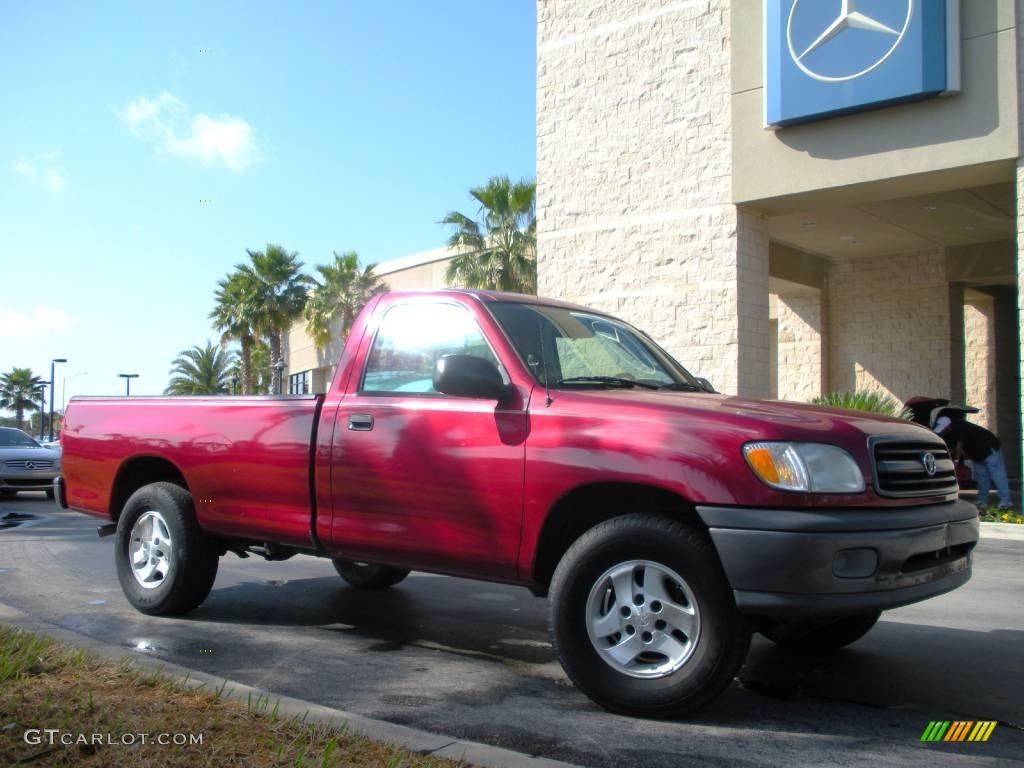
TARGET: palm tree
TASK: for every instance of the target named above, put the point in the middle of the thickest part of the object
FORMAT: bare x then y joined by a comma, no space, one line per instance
19,392
280,292
261,370
236,316
201,371
341,292
499,251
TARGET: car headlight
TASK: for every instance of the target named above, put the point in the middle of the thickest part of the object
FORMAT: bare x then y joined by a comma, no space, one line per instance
809,467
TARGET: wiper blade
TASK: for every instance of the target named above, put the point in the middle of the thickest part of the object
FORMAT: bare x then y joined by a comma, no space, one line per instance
610,381
681,386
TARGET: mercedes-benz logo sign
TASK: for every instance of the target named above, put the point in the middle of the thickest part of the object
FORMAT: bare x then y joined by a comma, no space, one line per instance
849,18
928,462
30,465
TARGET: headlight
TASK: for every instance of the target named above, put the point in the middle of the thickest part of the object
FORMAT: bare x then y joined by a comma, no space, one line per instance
810,467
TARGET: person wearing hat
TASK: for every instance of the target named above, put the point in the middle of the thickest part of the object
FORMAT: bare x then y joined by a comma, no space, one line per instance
983,448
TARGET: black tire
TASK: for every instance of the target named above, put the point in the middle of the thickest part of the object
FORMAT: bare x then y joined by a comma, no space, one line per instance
191,560
50,494
819,634
720,643
369,575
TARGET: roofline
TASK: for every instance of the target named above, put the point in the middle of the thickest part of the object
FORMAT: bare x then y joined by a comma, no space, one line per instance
419,259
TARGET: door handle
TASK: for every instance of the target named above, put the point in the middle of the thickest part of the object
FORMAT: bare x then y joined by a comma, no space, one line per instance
360,422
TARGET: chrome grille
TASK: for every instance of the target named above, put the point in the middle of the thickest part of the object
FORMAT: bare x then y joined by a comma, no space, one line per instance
27,465
900,467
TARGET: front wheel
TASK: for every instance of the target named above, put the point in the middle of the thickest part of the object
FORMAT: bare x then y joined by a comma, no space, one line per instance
165,563
819,634
369,575
643,619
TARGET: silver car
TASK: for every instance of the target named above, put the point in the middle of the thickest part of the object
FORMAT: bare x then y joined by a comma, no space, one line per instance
25,465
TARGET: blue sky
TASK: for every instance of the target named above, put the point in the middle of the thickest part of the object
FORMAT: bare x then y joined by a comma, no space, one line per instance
321,126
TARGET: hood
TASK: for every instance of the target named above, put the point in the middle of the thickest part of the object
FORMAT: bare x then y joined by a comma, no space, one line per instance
761,419
22,452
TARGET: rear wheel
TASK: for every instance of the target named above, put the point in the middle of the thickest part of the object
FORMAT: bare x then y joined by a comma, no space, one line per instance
643,619
819,634
369,575
165,563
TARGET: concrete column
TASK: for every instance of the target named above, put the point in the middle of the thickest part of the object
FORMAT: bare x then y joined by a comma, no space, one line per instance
753,328
957,361
1008,390
980,358
801,358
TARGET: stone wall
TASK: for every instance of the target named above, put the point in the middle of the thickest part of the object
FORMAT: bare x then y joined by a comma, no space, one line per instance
634,204
889,325
980,359
801,368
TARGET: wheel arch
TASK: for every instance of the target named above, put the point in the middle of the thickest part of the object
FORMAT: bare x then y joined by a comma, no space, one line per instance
582,508
138,471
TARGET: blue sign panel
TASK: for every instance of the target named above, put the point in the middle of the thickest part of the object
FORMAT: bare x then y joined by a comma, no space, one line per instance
829,57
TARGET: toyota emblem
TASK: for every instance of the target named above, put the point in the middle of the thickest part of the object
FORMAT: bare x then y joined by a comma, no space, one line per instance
928,462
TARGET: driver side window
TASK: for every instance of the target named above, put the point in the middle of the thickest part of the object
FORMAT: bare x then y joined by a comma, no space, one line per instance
412,338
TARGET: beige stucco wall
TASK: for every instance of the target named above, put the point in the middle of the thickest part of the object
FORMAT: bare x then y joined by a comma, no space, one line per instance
801,359
633,170
980,359
889,325
903,143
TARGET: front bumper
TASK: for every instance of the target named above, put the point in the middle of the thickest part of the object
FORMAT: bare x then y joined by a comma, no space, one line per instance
784,562
27,480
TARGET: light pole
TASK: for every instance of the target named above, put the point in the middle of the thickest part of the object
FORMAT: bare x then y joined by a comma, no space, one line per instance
128,382
42,411
64,389
52,364
279,367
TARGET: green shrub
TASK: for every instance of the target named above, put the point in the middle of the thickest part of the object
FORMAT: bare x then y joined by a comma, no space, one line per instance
872,402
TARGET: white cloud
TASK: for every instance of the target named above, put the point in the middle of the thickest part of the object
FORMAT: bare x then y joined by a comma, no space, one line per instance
41,169
167,122
34,323
54,180
25,168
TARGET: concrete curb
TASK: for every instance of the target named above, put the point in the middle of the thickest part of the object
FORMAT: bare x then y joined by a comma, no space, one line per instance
423,742
1002,531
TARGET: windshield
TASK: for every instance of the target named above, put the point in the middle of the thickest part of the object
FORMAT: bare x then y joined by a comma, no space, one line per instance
568,347
15,438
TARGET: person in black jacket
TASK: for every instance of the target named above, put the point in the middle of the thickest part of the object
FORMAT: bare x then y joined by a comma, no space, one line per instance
981,447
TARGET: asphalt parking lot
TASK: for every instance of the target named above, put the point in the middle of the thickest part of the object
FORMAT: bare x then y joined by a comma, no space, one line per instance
472,660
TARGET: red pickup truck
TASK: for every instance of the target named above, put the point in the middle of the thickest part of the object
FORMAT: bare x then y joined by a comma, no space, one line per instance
534,442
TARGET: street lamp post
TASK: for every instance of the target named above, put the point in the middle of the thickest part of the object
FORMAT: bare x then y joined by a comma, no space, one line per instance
128,382
42,411
64,389
52,364
279,367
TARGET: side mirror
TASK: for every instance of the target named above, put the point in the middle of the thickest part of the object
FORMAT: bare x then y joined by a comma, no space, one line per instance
468,376
705,384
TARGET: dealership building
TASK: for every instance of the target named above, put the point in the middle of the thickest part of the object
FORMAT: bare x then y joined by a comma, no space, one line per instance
792,196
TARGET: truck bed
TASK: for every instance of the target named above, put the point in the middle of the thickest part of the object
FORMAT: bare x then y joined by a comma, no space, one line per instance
246,460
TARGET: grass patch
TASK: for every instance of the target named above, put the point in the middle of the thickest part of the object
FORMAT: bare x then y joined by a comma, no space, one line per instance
47,685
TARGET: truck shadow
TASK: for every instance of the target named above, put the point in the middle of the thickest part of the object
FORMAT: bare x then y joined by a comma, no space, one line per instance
898,666
480,619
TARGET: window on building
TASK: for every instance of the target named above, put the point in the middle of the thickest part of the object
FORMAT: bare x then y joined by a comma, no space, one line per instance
299,383
410,341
